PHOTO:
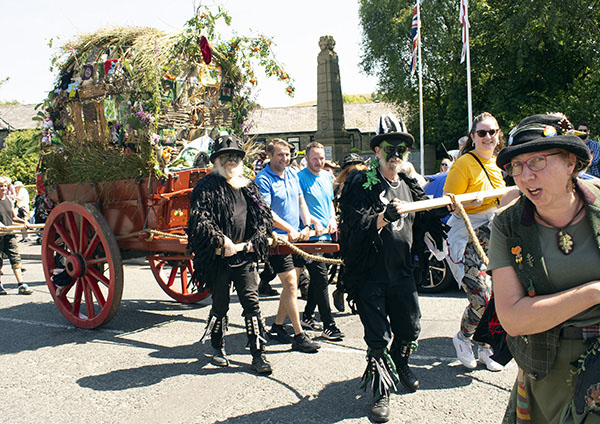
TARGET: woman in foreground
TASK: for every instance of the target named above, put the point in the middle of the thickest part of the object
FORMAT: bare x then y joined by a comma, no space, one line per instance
545,262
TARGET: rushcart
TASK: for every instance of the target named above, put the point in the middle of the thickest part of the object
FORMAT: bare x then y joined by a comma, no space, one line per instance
126,102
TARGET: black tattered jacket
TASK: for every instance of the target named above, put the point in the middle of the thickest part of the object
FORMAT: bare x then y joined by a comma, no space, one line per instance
211,218
360,242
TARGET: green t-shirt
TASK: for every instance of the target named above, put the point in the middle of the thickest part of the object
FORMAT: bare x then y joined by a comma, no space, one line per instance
564,271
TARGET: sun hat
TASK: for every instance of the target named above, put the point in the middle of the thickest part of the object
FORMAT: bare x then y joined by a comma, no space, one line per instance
392,130
351,159
226,144
18,184
543,132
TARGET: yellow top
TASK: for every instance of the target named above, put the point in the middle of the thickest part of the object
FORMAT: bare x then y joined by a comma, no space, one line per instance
466,176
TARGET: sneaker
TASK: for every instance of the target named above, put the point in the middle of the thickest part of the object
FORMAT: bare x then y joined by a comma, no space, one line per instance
279,334
24,289
331,332
303,343
380,412
265,289
338,300
2,291
484,354
464,351
310,324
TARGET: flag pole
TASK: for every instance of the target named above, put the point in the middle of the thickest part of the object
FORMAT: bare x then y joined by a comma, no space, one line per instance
421,129
468,58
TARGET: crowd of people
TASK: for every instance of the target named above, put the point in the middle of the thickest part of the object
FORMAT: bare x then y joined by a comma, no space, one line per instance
539,245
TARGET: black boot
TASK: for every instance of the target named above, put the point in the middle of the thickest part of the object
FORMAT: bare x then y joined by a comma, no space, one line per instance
380,411
380,375
215,330
400,354
255,329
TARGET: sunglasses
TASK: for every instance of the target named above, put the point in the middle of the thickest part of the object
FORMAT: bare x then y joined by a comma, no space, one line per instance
400,149
482,133
536,163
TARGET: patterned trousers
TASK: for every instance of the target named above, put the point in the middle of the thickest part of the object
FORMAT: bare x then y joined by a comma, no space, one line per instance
477,284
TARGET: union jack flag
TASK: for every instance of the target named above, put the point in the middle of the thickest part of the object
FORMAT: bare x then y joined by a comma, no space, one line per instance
414,32
464,20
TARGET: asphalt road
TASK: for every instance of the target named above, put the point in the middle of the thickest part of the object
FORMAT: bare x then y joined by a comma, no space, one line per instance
147,365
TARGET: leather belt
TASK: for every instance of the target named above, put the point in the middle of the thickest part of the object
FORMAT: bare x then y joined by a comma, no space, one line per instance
571,333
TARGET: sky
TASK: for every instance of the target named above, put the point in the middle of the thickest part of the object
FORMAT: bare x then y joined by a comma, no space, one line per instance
27,27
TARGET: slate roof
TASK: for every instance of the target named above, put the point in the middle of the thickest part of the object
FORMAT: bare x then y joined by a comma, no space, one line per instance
361,116
17,117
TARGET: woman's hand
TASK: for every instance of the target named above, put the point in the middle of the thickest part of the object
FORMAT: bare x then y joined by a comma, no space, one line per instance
229,247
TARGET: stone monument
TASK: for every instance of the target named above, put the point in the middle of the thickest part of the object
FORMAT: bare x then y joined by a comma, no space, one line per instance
330,106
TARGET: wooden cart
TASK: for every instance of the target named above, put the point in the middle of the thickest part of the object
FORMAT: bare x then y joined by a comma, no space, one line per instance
94,226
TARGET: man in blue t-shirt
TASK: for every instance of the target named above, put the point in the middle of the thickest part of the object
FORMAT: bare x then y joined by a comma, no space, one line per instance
280,189
317,188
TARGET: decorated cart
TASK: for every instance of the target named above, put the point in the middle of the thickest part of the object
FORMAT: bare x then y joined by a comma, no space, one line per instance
127,101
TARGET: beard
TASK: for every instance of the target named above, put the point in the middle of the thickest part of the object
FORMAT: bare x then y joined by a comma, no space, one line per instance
395,166
234,176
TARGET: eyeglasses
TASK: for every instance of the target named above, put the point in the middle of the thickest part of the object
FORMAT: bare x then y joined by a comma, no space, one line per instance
445,164
482,133
400,149
536,163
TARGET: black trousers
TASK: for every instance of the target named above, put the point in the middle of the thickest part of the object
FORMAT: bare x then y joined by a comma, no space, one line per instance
318,294
245,283
389,310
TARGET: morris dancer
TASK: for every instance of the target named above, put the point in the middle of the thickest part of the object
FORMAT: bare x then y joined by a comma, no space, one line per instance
376,240
227,215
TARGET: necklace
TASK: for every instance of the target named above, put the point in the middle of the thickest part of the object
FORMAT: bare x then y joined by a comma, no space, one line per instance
563,238
392,184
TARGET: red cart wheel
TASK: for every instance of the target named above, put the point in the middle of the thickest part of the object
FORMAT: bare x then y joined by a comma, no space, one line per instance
174,275
80,250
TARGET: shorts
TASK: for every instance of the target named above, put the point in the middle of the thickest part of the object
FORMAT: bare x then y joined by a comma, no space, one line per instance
10,248
282,263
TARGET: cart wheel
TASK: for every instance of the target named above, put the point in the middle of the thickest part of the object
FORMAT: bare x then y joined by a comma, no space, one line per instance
80,250
173,274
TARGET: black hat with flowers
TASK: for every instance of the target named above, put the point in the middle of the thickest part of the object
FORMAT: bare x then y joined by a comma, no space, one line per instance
226,144
543,132
392,130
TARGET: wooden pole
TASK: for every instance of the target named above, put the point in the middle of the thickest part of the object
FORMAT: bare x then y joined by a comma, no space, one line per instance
439,202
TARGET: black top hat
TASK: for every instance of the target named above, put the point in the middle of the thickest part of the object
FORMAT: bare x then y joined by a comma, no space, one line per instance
226,144
351,159
392,130
543,132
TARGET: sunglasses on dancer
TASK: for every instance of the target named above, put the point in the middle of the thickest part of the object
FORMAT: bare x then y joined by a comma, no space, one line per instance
536,163
482,133
399,149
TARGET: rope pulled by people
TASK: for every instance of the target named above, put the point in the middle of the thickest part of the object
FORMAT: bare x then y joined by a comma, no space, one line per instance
472,236
298,251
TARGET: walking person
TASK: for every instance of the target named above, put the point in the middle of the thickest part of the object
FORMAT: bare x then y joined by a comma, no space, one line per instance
474,170
280,190
228,230
22,205
544,257
8,242
377,239
317,189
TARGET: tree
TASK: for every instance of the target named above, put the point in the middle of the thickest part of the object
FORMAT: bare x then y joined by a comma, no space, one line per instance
526,57
19,158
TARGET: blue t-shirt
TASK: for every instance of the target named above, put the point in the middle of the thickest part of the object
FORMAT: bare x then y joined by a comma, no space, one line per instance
281,194
318,194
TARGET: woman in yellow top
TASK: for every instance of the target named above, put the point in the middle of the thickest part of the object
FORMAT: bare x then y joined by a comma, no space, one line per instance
474,170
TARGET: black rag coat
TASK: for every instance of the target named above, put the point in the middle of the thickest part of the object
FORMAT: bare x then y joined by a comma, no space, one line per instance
360,241
211,218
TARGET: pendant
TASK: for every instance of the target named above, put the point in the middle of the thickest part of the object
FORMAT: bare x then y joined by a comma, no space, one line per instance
565,242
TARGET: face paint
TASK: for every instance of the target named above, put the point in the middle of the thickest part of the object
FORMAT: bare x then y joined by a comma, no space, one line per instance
399,150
